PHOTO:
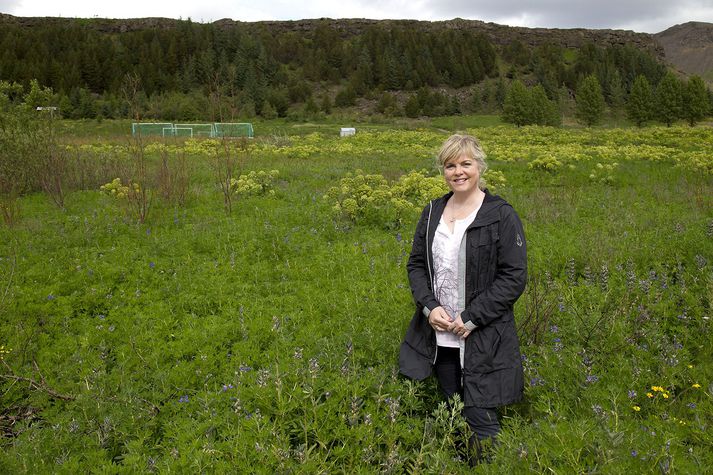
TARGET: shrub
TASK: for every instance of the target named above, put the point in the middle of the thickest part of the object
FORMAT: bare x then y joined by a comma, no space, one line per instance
255,183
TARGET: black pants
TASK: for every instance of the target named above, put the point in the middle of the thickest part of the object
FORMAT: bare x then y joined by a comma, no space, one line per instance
482,421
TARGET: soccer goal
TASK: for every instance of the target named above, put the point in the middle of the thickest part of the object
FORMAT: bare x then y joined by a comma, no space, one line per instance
233,129
150,128
194,130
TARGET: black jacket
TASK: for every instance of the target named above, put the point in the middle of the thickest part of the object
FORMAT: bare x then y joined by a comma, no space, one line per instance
496,273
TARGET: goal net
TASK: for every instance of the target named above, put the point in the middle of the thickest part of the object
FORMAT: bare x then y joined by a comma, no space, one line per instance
233,129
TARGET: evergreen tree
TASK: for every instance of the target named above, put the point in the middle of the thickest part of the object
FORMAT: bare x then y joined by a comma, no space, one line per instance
638,107
669,99
590,101
412,108
695,100
518,105
345,97
39,96
543,110
326,104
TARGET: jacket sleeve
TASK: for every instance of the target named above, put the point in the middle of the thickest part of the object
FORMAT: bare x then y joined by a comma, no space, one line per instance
417,266
510,277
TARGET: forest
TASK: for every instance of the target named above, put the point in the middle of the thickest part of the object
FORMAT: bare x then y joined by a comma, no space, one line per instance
197,71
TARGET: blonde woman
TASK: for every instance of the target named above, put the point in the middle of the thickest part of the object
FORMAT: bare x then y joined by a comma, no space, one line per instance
467,267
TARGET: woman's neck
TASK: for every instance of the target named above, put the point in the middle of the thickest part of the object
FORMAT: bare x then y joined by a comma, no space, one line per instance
465,199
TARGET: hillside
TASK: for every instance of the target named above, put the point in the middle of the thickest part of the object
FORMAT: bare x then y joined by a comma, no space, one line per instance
181,70
689,47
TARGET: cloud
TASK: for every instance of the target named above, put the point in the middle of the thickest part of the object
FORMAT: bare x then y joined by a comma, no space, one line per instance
638,15
8,6
641,15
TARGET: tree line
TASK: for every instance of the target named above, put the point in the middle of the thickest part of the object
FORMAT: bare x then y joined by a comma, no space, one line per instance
196,71
670,100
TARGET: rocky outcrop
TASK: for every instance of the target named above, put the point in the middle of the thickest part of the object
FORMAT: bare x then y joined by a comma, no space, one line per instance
689,47
498,34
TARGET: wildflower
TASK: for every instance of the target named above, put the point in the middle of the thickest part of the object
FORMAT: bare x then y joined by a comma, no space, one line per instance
696,386
398,237
657,388
632,394
665,395
597,409
152,265
649,395
634,453
554,329
691,405
50,297
592,378
183,398
636,408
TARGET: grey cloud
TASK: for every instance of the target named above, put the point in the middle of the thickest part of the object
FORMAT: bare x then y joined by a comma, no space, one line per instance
8,6
572,14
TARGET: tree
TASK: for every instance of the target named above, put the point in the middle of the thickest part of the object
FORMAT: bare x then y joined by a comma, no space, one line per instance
39,96
412,108
517,105
695,100
544,111
590,101
668,99
638,107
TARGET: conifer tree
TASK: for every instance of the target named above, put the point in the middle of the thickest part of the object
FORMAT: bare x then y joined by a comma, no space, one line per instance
695,100
669,99
638,107
590,101
517,105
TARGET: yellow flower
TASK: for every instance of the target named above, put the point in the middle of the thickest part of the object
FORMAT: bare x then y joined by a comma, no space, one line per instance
690,366
649,395
696,386
636,408
665,395
657,388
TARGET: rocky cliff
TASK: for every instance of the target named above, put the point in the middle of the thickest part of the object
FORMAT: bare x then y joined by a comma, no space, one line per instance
498,34
689,47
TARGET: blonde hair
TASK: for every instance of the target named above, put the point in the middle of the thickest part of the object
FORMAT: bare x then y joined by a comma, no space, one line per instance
461,144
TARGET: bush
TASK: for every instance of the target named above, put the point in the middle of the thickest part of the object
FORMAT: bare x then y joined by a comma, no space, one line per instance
369,199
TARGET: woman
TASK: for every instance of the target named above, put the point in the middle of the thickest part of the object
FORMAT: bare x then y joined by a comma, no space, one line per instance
467,267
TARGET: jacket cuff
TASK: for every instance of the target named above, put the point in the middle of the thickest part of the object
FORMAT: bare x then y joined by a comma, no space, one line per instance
433,303
468,324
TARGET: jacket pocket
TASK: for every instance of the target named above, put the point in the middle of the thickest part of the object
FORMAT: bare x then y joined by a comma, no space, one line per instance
481,348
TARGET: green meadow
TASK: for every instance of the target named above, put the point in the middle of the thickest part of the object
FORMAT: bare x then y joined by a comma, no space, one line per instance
205,317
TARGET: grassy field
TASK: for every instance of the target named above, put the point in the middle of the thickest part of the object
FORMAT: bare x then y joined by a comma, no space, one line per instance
265,339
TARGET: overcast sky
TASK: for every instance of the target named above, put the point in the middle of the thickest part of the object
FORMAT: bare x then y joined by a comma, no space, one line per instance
649,16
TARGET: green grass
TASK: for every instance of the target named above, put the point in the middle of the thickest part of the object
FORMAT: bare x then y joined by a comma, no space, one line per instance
266,340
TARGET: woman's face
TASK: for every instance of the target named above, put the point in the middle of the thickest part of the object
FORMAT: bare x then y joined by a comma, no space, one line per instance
462,174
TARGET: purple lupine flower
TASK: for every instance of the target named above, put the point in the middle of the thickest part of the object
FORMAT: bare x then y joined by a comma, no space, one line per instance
183,398
592,378
632,394
152,265
50,297
634,453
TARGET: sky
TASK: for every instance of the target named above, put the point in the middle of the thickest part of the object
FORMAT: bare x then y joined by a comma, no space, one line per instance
649,16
